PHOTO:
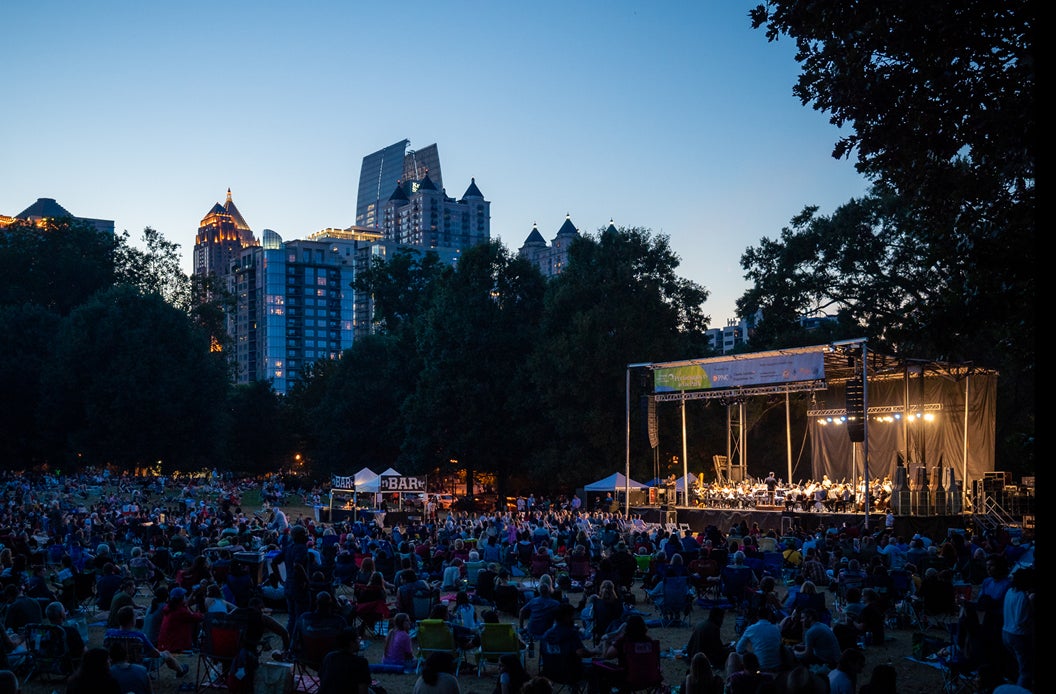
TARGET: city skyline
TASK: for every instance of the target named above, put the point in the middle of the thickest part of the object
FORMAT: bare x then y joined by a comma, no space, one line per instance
682,122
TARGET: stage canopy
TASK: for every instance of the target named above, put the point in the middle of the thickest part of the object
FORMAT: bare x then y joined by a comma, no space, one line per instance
374,484
615,482
932,415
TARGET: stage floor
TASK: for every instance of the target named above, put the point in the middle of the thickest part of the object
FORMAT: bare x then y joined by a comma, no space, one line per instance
782,521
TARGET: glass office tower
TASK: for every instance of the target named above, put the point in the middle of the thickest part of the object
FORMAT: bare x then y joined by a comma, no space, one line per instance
383,170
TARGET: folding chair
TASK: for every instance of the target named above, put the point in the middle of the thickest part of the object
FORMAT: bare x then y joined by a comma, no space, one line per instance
539,566
579,568
422,603
313,646
774,565
675,604
47,652
564,670
643,673
437,636
497,640
134,648
959,674
220,641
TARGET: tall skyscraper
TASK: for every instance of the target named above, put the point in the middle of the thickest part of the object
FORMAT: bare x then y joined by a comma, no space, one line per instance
387,168
222,234
294,304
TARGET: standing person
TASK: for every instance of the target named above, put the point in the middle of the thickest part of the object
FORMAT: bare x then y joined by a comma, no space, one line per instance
1017,631
989,604
843,679
297,564
771,488
344,670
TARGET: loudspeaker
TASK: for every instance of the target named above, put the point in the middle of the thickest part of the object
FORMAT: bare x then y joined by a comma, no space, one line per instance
855,411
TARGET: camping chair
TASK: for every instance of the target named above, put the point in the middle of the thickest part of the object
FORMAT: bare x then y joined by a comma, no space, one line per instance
644,562
643,673
774,565
437,636
220,641
960,675
539,566
564,670
497,640
422,603
46,652
579,568
843,584
134,649
313,646
675,603
143,576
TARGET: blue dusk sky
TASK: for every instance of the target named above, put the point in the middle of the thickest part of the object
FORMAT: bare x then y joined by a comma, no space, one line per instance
675,116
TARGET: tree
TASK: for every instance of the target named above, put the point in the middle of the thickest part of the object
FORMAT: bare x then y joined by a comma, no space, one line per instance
618,302
132,382
257,435
937,103
473,397
58,265
26,335
355,418
154,269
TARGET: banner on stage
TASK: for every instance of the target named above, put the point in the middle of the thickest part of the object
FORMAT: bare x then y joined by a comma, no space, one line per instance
731,373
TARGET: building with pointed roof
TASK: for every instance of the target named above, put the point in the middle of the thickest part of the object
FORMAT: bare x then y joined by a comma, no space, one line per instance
222,235
551,259
422,215
45,209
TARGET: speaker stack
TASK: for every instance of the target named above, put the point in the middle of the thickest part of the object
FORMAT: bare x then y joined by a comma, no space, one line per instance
900,494
855,410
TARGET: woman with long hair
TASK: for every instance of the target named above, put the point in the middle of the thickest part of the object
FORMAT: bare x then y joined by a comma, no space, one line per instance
93,675
701,678
512,675
398,649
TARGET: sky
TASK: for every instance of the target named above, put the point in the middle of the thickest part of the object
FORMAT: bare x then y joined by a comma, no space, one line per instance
675,116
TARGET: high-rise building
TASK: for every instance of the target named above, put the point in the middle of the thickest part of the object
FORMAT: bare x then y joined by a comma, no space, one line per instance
551,259
384,170
45,209
222,234
427,218
294,304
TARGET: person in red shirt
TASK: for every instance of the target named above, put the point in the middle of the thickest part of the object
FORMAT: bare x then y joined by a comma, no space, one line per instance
178,623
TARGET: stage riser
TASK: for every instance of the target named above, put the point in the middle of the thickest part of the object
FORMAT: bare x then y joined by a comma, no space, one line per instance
698,519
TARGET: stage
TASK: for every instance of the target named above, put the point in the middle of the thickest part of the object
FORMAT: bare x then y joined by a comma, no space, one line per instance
777,519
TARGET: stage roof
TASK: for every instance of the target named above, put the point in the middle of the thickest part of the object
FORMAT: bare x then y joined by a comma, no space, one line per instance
774,371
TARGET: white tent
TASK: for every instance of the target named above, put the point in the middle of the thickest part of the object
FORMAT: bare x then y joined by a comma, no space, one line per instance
373,484
365,476
615,482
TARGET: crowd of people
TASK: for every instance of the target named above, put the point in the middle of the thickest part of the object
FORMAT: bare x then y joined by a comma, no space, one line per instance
581,585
